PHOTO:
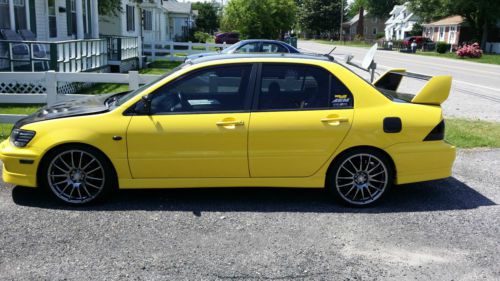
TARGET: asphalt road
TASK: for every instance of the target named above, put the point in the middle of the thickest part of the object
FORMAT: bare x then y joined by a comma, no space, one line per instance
440,230
476,86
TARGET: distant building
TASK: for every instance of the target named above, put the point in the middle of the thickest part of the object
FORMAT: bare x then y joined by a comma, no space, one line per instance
161,20
372,26
51,20
450,30
400,22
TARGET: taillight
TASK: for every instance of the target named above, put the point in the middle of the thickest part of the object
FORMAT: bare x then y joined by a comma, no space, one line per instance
437,133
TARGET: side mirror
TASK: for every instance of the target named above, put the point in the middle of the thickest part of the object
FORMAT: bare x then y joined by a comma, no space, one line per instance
144,107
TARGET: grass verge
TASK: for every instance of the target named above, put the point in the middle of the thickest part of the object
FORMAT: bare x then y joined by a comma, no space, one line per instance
465,133
343,43
486,58
158,67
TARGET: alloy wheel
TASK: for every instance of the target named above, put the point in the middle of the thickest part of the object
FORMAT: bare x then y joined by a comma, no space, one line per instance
361,179
76,176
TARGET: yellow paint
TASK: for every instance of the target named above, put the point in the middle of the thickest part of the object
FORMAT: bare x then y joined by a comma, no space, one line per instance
276,149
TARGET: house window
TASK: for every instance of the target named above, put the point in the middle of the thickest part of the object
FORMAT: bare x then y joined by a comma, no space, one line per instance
20,14
375,20
452,35
4,14
130,18
441,33
52,18
71,17
148,20
374,31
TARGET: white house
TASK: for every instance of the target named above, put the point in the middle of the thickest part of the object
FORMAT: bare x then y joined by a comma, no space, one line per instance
162,20
400,22
51,20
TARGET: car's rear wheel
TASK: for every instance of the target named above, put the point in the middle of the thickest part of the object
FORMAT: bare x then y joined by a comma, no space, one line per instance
360,177
77,175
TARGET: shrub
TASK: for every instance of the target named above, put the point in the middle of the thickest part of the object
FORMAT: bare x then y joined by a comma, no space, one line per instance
471,51
380,35
442,47
201,37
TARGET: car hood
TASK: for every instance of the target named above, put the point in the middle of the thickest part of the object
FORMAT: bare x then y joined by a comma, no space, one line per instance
77,107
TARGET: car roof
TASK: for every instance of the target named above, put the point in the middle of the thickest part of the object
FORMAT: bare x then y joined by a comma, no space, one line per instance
283,56
288,46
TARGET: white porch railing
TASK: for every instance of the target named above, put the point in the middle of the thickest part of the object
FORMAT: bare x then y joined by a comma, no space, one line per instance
177,51
50,80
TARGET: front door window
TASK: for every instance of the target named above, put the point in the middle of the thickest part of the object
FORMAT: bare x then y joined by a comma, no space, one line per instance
219,89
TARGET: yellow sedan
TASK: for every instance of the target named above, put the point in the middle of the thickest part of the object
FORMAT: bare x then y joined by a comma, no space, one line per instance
242,120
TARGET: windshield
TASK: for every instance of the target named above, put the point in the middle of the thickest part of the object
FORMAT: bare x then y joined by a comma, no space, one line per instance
230,48
121,100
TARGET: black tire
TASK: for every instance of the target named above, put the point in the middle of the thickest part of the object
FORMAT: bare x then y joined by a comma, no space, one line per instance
360,177
77,175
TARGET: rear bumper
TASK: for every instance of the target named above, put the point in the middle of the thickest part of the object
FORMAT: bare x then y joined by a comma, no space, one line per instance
422,161
19,165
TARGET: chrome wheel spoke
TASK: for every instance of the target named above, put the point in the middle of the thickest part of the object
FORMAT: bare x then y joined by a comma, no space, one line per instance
90,172
347,184
349,171
352,164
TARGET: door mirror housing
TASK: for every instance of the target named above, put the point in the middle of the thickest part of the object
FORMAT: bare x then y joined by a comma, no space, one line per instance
144,106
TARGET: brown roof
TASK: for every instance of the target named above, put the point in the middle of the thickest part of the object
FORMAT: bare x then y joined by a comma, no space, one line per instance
453,20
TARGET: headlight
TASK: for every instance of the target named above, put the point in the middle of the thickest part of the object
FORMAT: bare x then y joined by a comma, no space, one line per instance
21,138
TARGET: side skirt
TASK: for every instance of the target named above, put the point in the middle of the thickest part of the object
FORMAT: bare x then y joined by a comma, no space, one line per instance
310,182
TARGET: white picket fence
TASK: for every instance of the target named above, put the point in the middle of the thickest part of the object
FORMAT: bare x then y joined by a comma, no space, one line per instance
176,51
50,80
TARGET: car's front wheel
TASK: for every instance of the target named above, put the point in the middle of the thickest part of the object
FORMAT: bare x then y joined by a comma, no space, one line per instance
360,177
77,174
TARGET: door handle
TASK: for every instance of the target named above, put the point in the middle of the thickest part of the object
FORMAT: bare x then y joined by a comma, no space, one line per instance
337,119
230,123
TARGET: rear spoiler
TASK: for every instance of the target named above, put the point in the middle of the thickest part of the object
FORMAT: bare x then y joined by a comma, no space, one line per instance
435,91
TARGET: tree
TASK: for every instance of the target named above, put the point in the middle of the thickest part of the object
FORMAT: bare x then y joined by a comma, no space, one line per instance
361,23
208,17
353,8
417,29
381,8
109,7
318,16
429,10
259,18
480,15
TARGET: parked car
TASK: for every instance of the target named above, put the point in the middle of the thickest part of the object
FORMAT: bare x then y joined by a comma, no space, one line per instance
228,37
274,120
251,46
420,40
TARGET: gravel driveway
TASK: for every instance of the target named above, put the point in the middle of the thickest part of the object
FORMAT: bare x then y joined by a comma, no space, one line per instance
440,230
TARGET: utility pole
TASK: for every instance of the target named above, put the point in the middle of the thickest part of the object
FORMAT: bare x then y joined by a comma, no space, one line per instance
341,18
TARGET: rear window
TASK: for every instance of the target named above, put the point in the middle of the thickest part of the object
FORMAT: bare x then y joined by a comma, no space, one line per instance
401,87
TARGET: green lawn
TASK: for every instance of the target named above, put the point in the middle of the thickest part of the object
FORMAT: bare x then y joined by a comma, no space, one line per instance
19,109
158,68
14,109
472,133
486,58
344,43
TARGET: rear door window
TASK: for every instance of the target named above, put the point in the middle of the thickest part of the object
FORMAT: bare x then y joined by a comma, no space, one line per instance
300,87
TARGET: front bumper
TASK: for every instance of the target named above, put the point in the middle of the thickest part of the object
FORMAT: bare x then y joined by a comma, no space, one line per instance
19,164
423,161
